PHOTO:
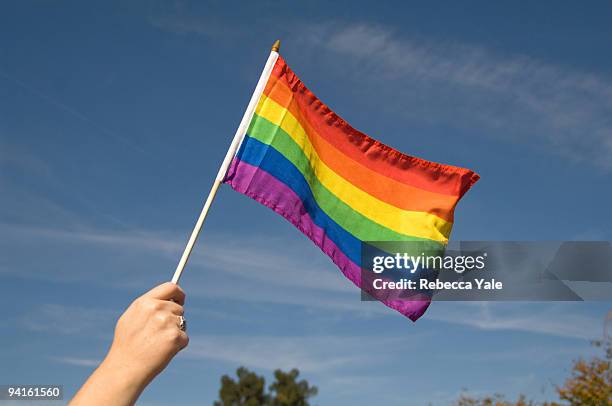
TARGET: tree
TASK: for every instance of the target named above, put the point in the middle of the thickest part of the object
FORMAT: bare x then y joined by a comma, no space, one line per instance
249,390
288,391
591,380
590,384
495,400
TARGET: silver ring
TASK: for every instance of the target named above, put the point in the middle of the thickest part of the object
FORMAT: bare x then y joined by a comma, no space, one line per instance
182,323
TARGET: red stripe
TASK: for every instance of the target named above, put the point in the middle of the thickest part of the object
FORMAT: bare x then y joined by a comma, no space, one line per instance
428,175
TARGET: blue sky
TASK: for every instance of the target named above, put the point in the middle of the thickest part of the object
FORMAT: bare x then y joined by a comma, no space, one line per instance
115,117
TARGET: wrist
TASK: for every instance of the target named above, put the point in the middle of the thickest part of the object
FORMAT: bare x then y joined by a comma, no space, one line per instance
124,374
114,382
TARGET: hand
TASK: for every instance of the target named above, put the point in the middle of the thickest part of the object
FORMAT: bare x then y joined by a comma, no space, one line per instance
147,337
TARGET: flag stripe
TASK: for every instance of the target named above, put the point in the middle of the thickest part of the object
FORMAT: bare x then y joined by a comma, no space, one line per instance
319,176
339,213
373,183
274,194
359,147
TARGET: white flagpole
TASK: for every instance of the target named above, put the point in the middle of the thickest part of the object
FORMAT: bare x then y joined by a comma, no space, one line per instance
231,152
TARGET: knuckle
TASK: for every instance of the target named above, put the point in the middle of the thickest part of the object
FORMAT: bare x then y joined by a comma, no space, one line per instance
162,317
175,337
154,305
145,304
182,340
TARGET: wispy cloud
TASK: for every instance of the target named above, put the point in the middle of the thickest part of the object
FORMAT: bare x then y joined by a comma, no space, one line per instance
68,320
245,258
241,268
254,260
13,157
310,354
80,362
555,319
37,201
157,242
178,18
515,96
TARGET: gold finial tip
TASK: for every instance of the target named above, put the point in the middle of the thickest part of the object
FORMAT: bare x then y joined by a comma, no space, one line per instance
276,45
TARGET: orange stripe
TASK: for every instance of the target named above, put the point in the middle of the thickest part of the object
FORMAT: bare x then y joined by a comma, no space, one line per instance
382,187
432,176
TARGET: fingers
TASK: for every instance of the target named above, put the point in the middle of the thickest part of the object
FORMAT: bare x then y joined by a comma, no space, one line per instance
178,340
172,307
183,340
166,302
166,326
167,291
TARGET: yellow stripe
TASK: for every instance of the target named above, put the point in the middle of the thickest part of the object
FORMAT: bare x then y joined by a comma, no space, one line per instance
412,223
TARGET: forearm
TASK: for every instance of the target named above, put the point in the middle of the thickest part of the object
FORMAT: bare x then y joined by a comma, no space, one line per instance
147,336
112,383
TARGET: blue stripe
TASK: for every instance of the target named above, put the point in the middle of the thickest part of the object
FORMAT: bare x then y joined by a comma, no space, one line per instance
256,153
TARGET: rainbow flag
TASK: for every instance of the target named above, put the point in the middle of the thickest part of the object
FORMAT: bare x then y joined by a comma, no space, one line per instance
337,185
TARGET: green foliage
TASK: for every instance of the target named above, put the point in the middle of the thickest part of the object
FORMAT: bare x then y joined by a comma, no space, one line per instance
288,391
495,400
590,384
591,380
249,390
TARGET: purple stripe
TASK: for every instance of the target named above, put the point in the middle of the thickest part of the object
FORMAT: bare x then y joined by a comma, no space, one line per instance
269,191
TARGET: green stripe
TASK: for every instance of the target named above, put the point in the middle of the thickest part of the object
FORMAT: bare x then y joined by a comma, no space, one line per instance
344,215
